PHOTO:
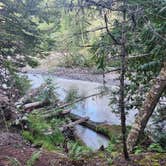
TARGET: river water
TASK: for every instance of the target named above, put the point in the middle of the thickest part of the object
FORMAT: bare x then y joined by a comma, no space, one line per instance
96,108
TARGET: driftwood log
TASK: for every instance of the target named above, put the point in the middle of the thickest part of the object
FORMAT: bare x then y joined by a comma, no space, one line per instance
34,105
73,124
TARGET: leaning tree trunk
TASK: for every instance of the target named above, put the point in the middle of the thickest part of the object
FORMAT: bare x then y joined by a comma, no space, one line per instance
147,109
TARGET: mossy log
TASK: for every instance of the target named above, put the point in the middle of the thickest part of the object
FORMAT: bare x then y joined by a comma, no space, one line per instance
99,127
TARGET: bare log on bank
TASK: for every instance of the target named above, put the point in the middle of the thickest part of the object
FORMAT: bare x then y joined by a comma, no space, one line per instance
73,124
88,123
34,105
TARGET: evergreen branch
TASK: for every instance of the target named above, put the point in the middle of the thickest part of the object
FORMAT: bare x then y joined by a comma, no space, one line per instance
108,31
155,32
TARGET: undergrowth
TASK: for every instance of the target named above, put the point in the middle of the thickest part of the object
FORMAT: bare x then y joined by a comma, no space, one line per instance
47,134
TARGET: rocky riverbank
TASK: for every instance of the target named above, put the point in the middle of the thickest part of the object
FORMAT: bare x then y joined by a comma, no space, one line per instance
85,74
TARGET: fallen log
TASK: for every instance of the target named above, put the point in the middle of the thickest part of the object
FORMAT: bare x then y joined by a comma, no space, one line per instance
95,126
34,105
56,114
89,123
39,104
72,124
30,94
75,101
99,127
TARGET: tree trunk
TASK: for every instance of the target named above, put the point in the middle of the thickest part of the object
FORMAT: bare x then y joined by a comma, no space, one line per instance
122,82
147,109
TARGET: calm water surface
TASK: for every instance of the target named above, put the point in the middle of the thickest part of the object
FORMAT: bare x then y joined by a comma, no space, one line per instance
97,108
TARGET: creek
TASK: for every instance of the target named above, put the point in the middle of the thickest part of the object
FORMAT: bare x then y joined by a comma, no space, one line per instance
96,108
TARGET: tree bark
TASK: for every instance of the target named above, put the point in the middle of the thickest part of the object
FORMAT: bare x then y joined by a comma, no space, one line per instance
147,109
122,82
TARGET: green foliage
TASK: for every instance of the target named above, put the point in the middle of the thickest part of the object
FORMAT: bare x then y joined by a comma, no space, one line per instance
48,93
32,62
43,133
35,156
103,50
161,139
19,32
28,136
112,146
158,126
155,148
138,150
47,135
21,83
76,151
71,95
77,60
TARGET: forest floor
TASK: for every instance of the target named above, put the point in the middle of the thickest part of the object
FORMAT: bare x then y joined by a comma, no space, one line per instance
14,151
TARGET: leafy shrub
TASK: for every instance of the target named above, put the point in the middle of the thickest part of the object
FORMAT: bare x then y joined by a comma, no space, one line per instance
32,62
42,134
71,95
112,145
48,93
155,147
76,151
138,150
21,83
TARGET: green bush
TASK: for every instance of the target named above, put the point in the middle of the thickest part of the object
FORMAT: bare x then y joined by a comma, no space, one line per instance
32,62
138,149
21,83
155,147
71,95
48,93
42,134
76,150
